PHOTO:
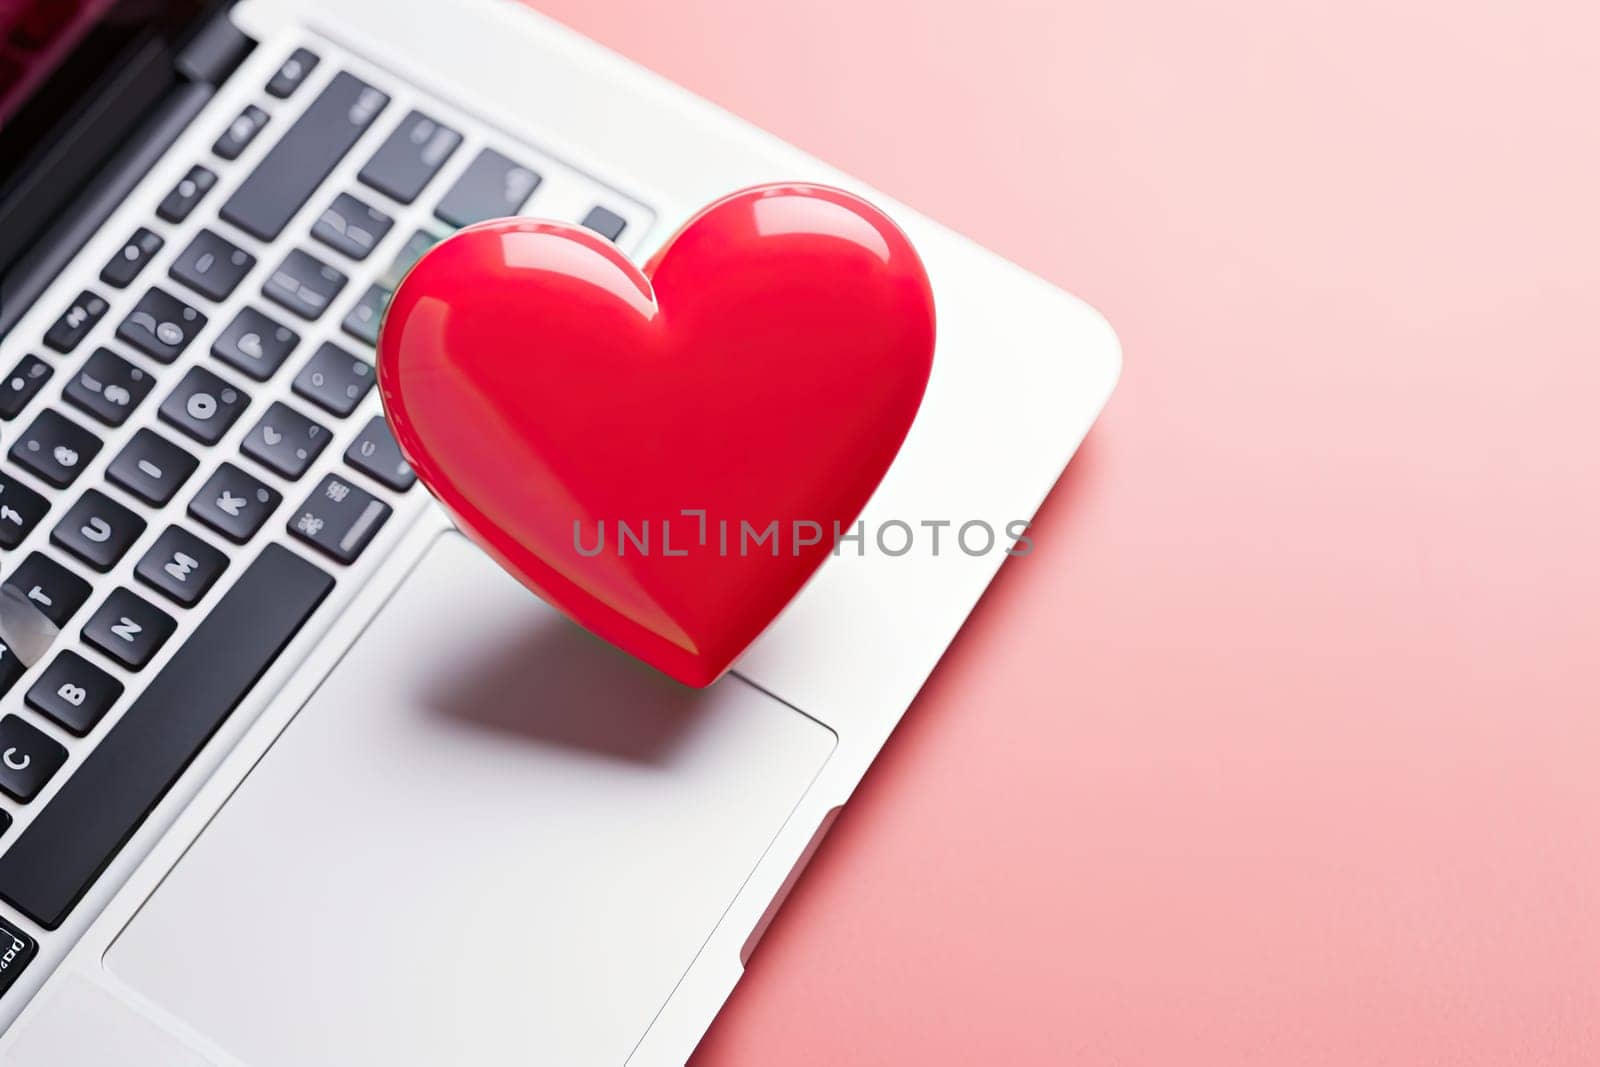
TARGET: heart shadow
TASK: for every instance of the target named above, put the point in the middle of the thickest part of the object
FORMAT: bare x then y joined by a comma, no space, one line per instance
550,682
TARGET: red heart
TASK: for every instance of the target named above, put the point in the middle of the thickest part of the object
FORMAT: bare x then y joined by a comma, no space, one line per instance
765,366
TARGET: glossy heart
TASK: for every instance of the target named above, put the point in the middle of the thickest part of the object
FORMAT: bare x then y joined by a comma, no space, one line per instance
569,409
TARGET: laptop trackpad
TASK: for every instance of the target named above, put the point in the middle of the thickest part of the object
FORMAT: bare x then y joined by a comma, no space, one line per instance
486,838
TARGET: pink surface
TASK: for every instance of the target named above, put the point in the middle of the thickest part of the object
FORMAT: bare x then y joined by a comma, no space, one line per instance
1284,747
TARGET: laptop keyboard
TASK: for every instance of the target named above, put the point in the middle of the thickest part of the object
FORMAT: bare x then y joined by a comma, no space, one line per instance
222,359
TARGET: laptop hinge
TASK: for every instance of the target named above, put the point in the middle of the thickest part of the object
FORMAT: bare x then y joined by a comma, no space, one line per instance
214,52
37,268
206,60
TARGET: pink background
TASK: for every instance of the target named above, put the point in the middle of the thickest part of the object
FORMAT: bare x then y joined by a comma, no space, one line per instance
1284,748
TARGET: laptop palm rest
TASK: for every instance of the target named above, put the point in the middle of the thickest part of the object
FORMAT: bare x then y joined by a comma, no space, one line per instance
486,838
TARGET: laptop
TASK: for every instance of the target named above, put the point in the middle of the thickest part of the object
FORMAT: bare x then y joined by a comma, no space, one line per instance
290,772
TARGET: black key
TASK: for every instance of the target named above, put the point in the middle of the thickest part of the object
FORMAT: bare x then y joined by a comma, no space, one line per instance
11,668
186,194
97,530
339,519
285,441
55,448
20,511
351,226
255,344
212,266
129,628
50,587
65,333
203,406
22,385
410,157
74,837
131,258
181,565
240,132
151,468
607,224
294,71
233,503
334,380
364,319
490,187
304,284
17,947
302,160
409,253
108,387
375,453
74,693
28,759
161,326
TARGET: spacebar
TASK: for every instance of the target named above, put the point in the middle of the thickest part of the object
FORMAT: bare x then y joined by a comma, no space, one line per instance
49,868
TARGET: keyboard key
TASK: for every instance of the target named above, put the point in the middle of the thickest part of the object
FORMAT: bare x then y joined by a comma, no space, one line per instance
5,928
285,441
302,160
97,530
161,326
339,519
212,266
28,759
50,587
410,157
409,253
151,468
65,333
108,387
240,132
181,566
129,628
364,319
11,668
375,454
255,344
189,191
293,73
74,693
131,258
18,948
492,186
233,503
20,511
351,226
334,380
22,385
57,858
203,406
55,448
607,224
304,284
